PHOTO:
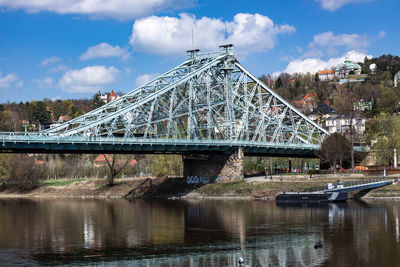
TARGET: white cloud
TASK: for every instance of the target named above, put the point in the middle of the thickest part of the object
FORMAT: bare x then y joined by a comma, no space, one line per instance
48,61
88,80
8,80
105,50
381,34
313,65
350,41
333,5
173,35
143,79
330,44
128,70
59,68
119,9
46,82
19,84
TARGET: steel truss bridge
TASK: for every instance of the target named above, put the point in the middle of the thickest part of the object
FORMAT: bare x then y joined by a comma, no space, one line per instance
208,104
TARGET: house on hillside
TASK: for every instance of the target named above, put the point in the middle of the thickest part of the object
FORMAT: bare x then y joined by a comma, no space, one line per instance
307,104
61,119
321,113
396,80
363,105
101,160
342,123
40,162
108,97
348,67
326,75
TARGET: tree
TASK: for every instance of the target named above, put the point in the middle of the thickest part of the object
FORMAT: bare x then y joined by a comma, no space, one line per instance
335,149
344,104
383,134
388,101
278,83
40,113
22,172
74,112
316,77
96,101
164,165
3,166
323,90
115,165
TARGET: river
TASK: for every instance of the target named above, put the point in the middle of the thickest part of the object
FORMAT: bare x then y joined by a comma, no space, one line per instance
110,232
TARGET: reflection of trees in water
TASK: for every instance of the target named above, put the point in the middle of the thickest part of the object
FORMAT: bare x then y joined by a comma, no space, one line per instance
201,231
50,225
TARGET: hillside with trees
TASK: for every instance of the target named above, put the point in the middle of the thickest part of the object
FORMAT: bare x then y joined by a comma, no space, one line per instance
382,129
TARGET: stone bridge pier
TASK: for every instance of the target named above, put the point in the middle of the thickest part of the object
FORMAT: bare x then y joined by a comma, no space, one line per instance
224,166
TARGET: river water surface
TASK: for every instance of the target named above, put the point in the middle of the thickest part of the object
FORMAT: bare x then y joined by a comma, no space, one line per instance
74,232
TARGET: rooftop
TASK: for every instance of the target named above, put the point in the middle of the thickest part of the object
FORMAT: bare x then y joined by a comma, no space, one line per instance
322,72
324,109
348,65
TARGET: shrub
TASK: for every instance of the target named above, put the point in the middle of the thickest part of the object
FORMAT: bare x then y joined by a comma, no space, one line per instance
22,172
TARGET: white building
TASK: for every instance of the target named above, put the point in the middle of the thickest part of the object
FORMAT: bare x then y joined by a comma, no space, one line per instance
326,75
346,68
108,97
396,79
341,124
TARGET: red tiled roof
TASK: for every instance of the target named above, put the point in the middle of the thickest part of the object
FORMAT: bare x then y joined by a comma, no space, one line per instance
101,158
321,72
132,162
308,95
64,118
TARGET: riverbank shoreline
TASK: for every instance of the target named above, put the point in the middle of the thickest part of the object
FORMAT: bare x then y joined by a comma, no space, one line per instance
175,188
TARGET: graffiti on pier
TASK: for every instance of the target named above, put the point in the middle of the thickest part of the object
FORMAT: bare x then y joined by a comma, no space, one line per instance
197,180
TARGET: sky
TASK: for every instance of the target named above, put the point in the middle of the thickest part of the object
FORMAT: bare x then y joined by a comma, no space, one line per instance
71,49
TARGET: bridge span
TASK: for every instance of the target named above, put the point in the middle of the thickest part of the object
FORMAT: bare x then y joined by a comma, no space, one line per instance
24,143
209,108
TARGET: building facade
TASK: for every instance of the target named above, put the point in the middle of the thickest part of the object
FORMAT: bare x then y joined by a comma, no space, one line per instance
326,75
108,97
348,67
396,81
342,124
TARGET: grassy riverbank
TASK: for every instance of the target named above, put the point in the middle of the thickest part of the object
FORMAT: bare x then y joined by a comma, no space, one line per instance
255,188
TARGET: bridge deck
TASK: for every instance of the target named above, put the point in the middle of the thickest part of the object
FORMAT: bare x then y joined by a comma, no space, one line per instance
360,187
115,145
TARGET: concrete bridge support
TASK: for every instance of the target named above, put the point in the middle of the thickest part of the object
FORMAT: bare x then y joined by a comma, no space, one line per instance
223,166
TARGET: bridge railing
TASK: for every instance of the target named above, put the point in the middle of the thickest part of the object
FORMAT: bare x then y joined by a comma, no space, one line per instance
366,181
349,183
51,138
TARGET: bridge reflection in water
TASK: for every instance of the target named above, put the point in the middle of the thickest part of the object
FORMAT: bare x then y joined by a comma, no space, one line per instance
196,233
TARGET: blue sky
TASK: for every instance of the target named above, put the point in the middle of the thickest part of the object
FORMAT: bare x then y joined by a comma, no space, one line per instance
73,48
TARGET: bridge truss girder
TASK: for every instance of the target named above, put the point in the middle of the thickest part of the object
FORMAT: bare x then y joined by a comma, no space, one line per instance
205,98
210,98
